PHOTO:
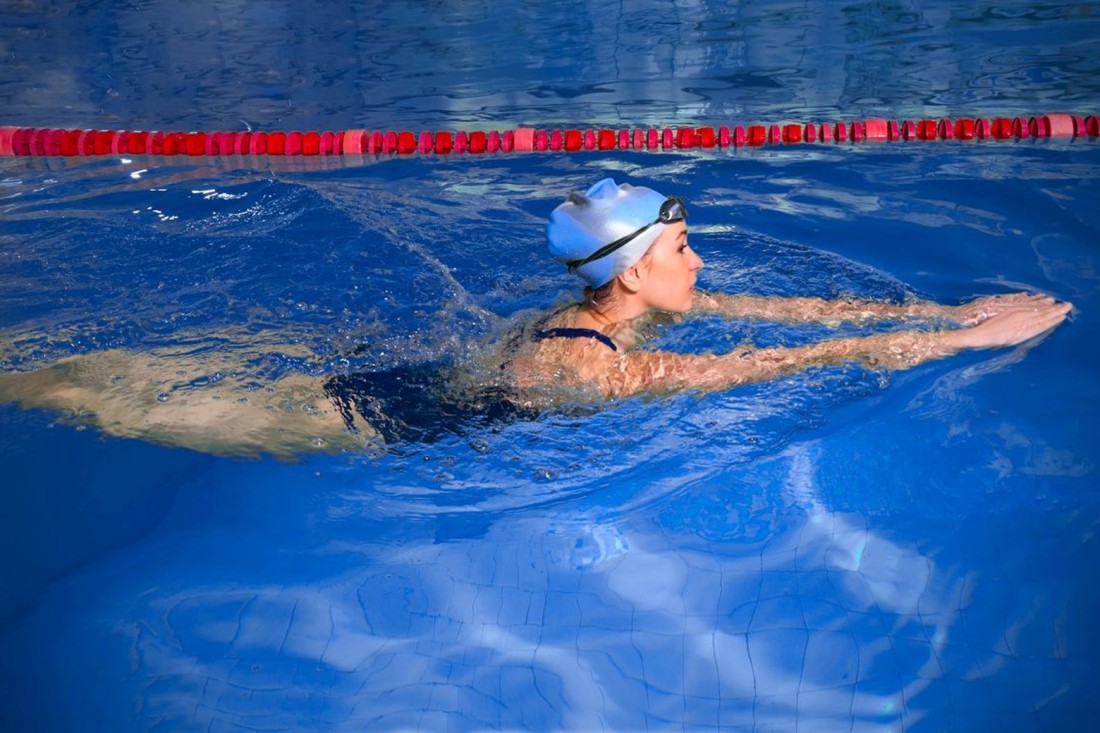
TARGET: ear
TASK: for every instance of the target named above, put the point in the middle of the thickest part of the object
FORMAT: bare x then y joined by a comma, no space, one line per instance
631,278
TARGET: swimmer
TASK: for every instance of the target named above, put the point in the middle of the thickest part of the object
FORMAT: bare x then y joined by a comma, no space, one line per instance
629,244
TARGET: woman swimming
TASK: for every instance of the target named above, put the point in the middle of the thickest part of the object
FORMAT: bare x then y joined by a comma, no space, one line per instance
630,246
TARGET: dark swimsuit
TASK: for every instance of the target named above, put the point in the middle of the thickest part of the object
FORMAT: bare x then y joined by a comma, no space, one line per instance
416,402
574,333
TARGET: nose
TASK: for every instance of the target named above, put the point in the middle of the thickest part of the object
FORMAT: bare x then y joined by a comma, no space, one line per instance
696,262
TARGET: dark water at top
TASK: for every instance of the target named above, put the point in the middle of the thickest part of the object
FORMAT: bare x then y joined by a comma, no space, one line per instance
287,65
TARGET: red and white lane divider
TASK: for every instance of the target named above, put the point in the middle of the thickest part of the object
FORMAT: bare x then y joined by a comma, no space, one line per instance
39,141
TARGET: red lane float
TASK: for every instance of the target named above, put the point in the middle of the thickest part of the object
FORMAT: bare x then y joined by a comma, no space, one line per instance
31,141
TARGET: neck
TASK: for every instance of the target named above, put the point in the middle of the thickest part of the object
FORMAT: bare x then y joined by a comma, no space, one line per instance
614,311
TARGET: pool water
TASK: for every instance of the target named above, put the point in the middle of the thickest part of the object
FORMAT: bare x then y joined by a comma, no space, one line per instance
837,550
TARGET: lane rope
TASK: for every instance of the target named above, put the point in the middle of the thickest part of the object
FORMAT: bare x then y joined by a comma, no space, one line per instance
44,141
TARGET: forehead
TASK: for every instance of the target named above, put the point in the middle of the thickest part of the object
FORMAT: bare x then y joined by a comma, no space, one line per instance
671,236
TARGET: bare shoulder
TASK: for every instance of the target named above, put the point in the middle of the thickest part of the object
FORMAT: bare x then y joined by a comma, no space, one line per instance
574,361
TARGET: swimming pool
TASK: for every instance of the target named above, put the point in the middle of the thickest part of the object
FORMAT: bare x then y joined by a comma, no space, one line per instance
833,551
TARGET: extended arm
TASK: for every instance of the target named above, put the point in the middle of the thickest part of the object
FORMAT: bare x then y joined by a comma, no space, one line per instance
852,310
667,372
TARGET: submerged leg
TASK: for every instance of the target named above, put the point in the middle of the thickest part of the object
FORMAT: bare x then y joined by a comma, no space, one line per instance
205,401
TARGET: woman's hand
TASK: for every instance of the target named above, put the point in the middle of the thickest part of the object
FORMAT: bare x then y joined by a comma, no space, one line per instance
1009,323
982,309
1013,324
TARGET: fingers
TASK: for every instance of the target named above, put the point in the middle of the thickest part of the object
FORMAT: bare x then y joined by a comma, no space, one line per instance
1013,299
987,307
1036,300
1048,317
1042,324
1038,319
1020,297
1056,313
1041,311
1015,323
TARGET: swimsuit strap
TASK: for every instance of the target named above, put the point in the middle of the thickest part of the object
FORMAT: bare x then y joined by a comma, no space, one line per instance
574,333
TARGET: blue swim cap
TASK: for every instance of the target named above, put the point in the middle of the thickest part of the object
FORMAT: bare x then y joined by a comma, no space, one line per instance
599,216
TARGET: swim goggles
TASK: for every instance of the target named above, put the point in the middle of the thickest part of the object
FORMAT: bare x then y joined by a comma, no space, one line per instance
672,210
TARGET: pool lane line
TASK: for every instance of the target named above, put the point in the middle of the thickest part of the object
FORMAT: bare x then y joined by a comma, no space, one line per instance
44,141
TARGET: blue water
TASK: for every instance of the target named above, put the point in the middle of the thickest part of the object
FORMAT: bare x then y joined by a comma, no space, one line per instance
839,550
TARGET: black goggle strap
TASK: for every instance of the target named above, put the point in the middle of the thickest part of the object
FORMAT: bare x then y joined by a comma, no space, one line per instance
672,210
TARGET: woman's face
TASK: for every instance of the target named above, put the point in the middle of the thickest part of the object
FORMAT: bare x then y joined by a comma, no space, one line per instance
669,283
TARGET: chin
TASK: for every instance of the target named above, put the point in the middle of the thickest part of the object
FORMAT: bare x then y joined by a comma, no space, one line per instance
684,305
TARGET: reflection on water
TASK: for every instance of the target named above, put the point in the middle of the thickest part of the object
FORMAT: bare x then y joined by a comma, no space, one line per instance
826,620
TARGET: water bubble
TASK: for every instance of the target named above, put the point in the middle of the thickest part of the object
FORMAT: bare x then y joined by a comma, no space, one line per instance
545,474
480,445
163,397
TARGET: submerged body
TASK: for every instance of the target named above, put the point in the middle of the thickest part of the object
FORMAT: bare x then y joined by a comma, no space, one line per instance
581,362
629,244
